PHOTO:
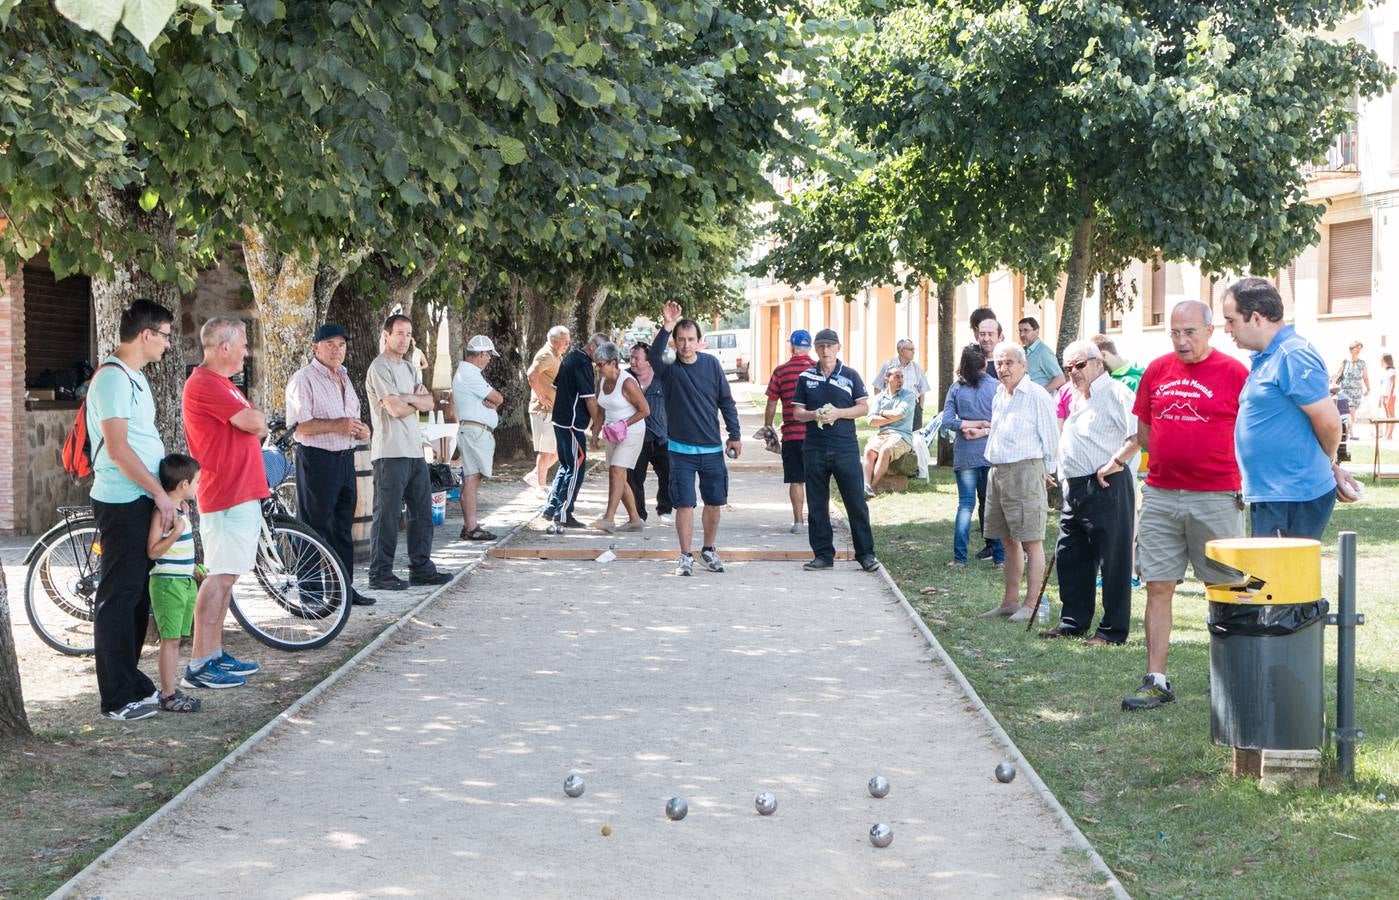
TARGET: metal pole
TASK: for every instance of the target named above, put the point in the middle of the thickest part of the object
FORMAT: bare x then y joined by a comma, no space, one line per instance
1346,619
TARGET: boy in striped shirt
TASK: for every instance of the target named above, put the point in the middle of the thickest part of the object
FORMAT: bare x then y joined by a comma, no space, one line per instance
173,576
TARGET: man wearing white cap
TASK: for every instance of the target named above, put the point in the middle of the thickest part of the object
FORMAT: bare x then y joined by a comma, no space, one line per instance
476,404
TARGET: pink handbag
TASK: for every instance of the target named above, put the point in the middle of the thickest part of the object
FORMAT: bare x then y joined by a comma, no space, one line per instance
615,432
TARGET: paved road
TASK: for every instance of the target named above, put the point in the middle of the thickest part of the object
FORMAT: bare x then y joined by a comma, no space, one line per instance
436,768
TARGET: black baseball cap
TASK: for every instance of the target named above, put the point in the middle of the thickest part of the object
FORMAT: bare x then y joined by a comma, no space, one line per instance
826,336
329,330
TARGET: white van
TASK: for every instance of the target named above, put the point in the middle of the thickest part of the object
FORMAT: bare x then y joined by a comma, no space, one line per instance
731,348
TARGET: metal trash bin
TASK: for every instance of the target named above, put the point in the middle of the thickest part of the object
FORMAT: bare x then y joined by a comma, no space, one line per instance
1267,645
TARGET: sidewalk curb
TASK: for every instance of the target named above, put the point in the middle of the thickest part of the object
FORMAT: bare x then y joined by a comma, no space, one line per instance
257,737
1021,763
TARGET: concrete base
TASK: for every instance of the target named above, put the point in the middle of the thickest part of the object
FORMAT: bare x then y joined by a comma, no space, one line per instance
1277,768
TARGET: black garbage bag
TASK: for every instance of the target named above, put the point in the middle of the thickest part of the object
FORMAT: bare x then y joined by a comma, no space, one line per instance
1265,619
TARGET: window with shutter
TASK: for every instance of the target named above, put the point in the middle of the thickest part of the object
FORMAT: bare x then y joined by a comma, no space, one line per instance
1348,270
58,322
1286,282
1155,307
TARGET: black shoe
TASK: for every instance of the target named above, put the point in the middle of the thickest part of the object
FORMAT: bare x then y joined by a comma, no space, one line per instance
987,552
571,522
358,599
438,577
819,562
1149,695
869,563
388,583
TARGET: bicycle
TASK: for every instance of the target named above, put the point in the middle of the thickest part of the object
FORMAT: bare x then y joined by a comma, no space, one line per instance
296,598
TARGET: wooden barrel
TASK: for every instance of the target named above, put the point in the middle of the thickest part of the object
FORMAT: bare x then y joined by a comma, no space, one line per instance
364,505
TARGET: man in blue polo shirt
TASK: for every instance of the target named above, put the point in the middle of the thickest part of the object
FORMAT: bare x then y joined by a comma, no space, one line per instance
830,396
696,392
1040,362
1285,402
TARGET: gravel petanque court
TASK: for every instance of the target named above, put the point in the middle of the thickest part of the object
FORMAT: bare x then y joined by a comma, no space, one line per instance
436,768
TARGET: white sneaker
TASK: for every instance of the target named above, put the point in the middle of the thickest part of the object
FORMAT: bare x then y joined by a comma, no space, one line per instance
797,528
531,478
686,565
869,491
667,519
711,560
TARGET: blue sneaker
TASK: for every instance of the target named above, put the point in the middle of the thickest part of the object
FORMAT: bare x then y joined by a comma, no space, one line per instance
237,666
1136,583
211,676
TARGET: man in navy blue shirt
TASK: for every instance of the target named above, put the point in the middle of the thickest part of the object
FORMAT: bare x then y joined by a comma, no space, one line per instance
1286,402
696,391
575,405
830,397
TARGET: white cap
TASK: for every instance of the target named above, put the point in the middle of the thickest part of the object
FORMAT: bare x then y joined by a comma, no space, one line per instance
481,344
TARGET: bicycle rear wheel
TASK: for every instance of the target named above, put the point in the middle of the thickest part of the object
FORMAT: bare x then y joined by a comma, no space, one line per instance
60,589
297,597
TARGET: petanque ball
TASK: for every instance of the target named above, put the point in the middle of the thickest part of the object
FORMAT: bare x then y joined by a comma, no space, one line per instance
765,803
676,809
1005,773
881,835
879,786
607,831
573,786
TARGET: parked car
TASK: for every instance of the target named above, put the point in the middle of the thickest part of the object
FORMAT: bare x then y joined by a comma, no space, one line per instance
731,348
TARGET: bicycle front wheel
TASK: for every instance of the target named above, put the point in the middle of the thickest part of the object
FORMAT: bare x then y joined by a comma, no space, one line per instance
60,589
297,597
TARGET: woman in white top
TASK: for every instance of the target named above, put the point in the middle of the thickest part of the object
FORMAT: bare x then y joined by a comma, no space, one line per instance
1387,392
619,400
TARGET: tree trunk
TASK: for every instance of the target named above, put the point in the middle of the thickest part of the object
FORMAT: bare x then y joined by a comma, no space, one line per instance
426,338
113,294
526,315
587,304
1076,284
284,291
947,359
14,725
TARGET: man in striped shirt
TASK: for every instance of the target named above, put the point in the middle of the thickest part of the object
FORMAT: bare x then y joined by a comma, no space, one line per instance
781,388
323,411
1022,447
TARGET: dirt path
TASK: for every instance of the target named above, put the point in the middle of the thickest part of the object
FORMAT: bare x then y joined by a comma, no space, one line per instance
437,767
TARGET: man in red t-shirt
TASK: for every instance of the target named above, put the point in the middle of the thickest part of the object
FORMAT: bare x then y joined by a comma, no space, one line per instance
224,433
1186,406
781,388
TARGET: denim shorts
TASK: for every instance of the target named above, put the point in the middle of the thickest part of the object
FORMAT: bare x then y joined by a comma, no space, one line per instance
713,479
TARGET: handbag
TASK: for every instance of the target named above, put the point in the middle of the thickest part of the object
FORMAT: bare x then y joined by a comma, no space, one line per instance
615,432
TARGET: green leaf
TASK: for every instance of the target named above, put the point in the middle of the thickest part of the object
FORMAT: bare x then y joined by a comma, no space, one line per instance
145,19
396,165
100,16
512,150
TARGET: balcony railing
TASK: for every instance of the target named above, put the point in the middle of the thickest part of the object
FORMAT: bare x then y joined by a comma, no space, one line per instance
1343,156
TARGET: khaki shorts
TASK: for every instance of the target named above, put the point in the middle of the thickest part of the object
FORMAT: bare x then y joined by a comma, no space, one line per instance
541,426
1174,527
477,448
891,441
625,454
1016,503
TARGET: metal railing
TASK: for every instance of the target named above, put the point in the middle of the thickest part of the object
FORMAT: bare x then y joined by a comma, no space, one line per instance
1342,156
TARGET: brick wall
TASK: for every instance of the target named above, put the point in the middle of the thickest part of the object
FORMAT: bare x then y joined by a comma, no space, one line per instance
14,444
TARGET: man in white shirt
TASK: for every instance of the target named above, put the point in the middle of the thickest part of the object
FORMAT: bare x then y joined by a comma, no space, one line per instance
1096,454
1022,448
476,404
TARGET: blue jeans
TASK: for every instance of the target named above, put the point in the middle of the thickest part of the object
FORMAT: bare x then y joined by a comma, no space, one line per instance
970,484
1305,519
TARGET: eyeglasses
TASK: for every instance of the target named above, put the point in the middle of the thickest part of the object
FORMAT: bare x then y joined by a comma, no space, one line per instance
164,334
1188,333
1078,366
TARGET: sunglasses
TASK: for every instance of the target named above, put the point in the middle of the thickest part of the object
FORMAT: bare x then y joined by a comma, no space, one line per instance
1076,367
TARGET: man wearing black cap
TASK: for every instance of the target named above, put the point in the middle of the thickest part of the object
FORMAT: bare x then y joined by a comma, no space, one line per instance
830,396
323,409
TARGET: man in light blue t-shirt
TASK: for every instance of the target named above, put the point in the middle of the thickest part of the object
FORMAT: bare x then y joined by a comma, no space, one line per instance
1286,402
893,416
126,453
1040,362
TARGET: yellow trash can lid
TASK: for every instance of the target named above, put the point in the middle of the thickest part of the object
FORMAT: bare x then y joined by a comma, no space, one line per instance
1276,570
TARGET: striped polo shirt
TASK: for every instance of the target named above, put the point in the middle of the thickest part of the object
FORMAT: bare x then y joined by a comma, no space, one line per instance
783,386
178,561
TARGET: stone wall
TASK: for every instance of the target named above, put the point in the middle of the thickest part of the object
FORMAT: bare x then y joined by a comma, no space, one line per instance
48,486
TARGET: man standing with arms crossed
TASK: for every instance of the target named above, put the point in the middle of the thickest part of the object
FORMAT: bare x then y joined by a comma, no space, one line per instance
541,373
396,396
224,433
1286,402
1185,407
782,387
323,408
696,391
126,453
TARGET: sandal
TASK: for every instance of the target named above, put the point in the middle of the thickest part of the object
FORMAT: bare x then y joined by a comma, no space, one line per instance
956,565
180,702
476,534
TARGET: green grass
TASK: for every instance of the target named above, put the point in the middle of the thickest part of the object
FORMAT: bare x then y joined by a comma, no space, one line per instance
1149,789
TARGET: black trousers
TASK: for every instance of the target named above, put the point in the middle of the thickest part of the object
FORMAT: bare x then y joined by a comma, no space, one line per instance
1095,532
844,466
655,455
325,498
123,602
401,481
568,478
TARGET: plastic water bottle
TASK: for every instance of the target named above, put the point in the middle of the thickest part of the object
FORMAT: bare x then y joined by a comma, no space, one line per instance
1043,615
